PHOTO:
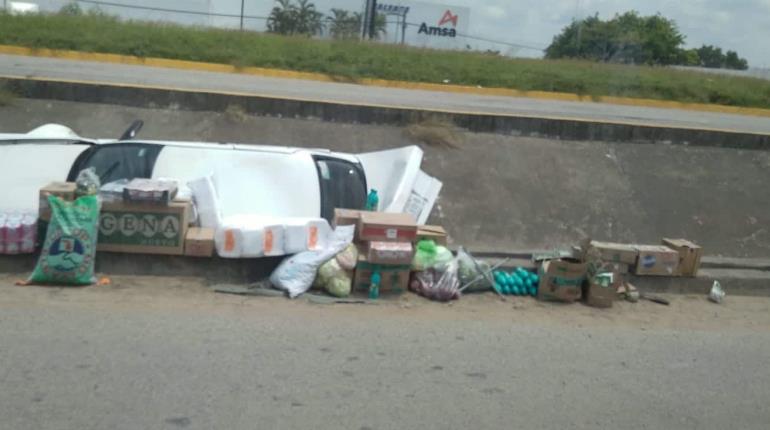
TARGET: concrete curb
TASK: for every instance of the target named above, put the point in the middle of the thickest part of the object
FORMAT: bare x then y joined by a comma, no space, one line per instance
321,77
559,128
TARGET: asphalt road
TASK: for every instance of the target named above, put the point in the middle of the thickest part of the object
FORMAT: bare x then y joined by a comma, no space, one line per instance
22,66
162,354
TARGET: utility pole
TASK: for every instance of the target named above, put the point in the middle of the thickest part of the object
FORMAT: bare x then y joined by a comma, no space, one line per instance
242,5
370,14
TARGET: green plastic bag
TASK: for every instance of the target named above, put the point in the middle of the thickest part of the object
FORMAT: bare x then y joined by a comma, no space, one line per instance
424,255
69,250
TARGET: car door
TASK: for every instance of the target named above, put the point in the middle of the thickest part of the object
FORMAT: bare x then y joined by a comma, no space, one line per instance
400,184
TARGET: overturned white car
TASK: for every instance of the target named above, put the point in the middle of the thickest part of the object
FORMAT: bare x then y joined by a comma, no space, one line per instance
254,186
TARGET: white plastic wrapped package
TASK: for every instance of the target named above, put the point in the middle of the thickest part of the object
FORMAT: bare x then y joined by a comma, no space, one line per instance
295,274
206,202
18,233
305,234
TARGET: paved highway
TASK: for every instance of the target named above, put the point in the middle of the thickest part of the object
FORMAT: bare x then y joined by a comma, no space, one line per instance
21,66
160,353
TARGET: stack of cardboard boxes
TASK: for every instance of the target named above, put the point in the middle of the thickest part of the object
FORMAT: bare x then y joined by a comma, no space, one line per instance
149,227
385,245
602,268
675,257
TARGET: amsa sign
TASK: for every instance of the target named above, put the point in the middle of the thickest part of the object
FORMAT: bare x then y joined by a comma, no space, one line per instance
432,25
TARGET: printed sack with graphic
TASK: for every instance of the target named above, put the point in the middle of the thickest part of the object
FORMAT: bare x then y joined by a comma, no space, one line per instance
67,256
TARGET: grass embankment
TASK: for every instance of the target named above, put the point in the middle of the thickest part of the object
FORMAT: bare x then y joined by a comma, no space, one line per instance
352,60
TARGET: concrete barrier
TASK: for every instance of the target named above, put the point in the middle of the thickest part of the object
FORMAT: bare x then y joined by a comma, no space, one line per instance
364,114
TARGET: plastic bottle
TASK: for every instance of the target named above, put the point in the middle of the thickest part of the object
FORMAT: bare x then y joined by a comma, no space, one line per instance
374,288
372,200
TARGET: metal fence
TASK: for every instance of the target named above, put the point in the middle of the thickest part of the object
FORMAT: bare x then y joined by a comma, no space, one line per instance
252,15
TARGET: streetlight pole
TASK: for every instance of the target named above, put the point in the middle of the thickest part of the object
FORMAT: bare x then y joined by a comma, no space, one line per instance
242,5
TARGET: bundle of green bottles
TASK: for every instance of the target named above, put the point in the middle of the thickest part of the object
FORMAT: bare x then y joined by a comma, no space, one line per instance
519,282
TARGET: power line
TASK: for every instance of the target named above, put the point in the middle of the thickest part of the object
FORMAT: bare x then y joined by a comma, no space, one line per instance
225,15
484,39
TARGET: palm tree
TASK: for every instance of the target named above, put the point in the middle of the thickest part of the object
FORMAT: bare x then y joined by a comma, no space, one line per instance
308,19
288,18
346,25
281,19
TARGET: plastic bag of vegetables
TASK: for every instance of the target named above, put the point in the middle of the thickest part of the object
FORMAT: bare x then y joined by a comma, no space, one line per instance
429,255
470,270
441,285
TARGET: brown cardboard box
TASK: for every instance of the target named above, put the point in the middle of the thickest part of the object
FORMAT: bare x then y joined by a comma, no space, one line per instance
143,228
346,217
602,294
395,279
657,260
616,252
394,253
63,190
387,227
199,242
689,255
561,280
432,232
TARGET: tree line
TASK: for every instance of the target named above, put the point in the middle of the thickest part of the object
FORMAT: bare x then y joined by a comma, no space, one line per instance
633,39
302,18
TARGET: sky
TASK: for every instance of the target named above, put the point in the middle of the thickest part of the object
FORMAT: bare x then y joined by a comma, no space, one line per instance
739,25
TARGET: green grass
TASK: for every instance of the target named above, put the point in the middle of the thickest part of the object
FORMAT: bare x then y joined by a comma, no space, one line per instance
352,60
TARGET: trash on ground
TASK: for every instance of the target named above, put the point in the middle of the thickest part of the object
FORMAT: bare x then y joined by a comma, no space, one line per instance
561,280
717,293
439,283
689,256
296,274
657,260
655,299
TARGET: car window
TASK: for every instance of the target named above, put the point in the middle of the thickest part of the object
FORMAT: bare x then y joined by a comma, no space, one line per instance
119,161
343,185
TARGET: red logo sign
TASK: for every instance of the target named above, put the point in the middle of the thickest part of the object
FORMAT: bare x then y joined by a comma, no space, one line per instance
448,17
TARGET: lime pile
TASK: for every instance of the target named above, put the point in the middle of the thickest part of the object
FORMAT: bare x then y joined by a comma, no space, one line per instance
519,282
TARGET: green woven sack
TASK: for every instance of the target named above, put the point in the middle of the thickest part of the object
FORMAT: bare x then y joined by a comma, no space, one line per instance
67,256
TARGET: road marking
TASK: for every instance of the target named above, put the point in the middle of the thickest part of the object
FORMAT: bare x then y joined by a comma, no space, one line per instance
372,105
424,86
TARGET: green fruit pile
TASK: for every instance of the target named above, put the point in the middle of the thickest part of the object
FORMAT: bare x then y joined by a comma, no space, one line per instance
519,282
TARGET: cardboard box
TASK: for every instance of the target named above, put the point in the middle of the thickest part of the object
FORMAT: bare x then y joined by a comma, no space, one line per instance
689,256
387,227
432,232
561,280
143,228
616,252
602,291
395,279
63,190
346,217
199,242
394,253
657,260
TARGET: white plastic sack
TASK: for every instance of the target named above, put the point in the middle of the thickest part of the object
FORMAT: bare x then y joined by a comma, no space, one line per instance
206,202
295,274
